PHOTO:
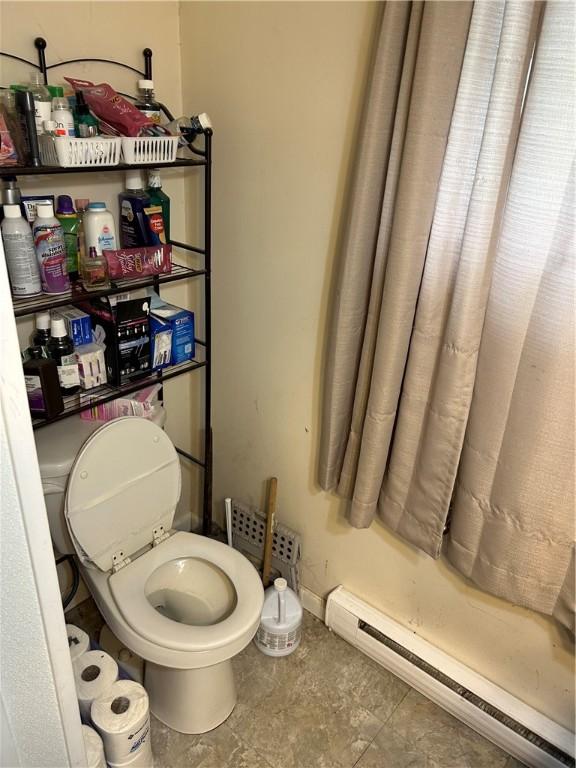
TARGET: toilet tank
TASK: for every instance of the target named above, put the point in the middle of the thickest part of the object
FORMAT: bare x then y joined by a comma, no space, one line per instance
57,446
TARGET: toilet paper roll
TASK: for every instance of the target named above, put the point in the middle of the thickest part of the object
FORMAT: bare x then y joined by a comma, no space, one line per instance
94,748
122,718
78,641
142,759
94,673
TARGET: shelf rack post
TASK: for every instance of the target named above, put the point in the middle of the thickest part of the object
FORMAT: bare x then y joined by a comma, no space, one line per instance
207,506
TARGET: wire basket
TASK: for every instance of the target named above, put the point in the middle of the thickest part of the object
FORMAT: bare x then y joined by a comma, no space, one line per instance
79,153
149,149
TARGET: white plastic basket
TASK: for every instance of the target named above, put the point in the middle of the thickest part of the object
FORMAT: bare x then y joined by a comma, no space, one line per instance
149,149
77,153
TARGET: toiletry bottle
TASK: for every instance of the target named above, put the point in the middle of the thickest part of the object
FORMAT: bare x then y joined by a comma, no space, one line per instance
10,193
50,250
62,117
42,100
10,196
159,197
41,335
81,204
94,271
42,385
68,217
87,125
133,225
61,349
147,101
20,255
99,228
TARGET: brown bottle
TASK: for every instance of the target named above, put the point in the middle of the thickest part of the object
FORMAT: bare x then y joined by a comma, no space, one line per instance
42,385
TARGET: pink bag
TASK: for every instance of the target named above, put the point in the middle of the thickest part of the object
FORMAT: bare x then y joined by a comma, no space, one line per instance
111,108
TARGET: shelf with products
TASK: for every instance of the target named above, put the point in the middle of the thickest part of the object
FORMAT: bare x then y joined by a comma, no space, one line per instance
84,400
10,171
200,160
29,305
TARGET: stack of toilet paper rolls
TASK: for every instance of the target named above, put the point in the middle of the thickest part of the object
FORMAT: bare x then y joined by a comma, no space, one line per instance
117,709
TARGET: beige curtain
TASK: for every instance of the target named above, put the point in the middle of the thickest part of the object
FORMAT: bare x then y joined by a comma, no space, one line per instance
404,379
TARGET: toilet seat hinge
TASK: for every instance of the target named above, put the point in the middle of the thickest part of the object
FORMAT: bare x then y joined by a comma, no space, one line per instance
119,560
159,535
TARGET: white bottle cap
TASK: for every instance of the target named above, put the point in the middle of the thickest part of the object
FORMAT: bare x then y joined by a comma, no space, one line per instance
43,320
58,327
280,585
134,180
12,211
146,84
45,210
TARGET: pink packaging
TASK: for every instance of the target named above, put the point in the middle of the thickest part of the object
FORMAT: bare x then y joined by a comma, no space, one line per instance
143,403
135,262
116,111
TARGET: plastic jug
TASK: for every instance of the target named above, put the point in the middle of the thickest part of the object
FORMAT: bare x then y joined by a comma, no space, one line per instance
281,621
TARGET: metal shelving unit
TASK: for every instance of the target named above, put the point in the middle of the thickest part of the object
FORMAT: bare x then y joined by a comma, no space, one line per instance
202,160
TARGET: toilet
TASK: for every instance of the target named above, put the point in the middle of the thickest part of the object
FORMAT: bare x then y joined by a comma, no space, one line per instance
185,603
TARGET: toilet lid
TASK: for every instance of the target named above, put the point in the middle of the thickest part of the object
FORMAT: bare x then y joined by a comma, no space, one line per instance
124,484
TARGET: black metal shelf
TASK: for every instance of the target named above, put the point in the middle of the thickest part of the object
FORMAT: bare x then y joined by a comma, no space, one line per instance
83,401
45,170
202,159
30,304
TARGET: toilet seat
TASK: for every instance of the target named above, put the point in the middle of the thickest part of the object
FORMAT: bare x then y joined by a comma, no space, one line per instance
127,588
122,492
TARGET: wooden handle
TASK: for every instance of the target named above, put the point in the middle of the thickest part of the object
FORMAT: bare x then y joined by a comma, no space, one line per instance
270,510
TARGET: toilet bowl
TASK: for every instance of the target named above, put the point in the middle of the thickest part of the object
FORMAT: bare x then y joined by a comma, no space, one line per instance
185,603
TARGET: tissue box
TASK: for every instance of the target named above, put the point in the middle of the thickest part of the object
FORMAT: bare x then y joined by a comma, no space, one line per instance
181,323
91,365
78,325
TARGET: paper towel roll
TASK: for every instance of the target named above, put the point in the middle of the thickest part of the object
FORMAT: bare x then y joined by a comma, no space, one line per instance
122,717
78,641
94,748
94,673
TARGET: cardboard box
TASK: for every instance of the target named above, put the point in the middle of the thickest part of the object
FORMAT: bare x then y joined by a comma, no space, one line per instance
78,324
124,330
91,365
181,322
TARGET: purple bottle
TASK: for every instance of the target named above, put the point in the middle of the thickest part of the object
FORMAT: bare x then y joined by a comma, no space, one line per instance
50,250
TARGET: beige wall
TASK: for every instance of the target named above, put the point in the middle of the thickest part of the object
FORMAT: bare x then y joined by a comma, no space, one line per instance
283,84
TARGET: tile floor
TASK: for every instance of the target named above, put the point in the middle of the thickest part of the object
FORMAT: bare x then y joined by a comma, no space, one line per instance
325,706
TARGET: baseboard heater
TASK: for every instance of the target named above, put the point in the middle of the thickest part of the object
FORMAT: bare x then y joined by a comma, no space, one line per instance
514,726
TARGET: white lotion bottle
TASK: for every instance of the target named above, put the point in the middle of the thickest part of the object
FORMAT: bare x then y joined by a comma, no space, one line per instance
20,254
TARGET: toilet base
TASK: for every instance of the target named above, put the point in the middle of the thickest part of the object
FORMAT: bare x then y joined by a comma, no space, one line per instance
191,700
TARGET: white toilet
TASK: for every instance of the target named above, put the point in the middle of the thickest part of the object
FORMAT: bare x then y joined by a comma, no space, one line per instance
185,603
